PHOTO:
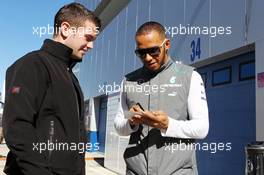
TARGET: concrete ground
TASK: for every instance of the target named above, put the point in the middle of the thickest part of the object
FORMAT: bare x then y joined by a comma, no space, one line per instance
94,163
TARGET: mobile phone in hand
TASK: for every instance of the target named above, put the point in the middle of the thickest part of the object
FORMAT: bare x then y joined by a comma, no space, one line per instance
129,114
138,104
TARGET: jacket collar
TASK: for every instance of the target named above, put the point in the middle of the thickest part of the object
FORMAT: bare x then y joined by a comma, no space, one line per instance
60,51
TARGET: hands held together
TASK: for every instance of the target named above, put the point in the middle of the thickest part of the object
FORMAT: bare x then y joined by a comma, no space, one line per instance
156,119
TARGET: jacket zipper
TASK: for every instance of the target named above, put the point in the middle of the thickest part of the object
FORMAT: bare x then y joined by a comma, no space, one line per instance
51,135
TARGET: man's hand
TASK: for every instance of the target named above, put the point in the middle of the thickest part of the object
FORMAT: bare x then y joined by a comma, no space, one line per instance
136,119
156,119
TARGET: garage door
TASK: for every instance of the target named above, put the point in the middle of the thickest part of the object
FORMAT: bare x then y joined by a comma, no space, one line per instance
230,88
102,124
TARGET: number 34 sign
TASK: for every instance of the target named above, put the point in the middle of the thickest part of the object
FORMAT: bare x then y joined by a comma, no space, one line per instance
196,49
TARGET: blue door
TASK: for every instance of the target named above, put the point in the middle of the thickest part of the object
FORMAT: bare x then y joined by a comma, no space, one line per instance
230,89
102,124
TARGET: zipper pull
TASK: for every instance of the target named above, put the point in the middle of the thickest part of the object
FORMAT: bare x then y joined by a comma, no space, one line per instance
51,131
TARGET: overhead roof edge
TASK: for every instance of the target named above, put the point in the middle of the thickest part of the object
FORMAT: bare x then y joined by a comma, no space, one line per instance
107,10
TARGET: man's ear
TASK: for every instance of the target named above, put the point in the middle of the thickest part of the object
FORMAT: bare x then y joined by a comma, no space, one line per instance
167,44
65,29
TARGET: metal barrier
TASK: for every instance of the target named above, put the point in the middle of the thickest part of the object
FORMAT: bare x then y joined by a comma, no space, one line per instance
254,158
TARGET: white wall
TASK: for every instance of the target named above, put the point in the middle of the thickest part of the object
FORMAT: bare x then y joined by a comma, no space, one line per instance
114,144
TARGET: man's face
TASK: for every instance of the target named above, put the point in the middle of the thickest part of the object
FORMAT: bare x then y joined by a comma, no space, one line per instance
80,39
146,43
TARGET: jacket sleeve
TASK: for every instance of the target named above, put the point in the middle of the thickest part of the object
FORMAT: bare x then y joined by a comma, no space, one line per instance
121,124
25,87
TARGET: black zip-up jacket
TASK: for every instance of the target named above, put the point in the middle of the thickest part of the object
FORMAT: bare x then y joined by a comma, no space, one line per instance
44,106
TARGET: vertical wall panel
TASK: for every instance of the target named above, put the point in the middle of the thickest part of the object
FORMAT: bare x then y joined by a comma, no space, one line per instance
228,13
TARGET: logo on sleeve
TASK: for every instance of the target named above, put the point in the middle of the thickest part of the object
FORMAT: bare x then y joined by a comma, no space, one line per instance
15,90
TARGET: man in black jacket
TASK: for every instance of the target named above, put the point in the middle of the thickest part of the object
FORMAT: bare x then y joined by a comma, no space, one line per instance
43,117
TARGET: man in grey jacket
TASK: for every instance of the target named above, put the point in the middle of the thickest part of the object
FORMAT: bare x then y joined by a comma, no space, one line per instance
163,108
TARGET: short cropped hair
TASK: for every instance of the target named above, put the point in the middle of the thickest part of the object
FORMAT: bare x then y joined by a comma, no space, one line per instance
75,14
150,26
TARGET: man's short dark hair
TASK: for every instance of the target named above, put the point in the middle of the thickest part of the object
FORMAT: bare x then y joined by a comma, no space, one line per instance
75,14
149,27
